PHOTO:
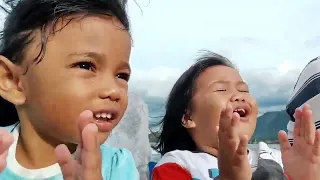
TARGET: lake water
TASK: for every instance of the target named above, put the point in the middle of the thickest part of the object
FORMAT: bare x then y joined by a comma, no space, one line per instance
156,156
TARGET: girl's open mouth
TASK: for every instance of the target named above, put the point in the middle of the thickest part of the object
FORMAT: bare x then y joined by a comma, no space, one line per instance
242,112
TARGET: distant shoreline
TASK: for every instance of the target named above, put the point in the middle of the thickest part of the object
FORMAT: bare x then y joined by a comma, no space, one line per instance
153,139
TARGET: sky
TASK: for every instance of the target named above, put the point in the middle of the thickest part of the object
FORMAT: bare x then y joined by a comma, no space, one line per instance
269,41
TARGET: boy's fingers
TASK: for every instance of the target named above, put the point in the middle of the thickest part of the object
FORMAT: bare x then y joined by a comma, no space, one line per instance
91,155
219,133
6,139
3,160
84,119
284,142
77,153
66,162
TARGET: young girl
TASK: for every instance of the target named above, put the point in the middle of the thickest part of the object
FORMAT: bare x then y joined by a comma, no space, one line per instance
212,94
64,69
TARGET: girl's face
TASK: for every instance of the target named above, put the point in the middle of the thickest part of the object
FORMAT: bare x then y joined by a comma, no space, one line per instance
85,67
214,88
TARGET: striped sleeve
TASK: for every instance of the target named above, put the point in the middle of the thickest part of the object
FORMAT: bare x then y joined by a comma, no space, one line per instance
170,171
306,91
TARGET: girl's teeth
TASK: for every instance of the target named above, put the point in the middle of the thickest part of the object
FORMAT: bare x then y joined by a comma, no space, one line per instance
98,115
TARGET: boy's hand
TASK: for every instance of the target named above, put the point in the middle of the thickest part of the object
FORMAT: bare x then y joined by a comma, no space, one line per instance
232,157
302,160
6,139
87,165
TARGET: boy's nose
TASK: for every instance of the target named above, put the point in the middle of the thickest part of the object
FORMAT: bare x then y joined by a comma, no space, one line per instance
112,93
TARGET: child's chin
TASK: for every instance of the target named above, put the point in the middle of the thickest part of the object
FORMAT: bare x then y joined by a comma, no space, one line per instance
245,119
103,137
105,126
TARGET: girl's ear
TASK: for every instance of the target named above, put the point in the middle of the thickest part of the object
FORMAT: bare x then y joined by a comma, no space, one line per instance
187,121
9,82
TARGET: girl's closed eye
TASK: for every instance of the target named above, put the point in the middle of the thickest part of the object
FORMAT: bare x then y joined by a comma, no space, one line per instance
85,65
124,76
246,91
219,90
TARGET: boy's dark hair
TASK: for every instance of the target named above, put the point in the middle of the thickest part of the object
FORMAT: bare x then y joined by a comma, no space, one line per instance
27,16
173,135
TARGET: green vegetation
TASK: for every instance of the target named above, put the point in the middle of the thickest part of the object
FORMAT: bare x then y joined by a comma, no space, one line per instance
268,126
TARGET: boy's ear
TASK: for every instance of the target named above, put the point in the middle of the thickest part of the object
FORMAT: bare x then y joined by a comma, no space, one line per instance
187,121
9,82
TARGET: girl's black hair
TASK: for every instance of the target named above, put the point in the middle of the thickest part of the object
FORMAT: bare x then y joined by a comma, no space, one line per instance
173,135
26,16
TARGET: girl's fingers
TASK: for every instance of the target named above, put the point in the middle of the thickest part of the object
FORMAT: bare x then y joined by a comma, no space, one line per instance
225,118
316,145
310,128
284,142
233,133
243,145
297,124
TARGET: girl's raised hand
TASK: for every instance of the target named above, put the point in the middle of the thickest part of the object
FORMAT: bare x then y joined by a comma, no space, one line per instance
232,157
87,164
302,160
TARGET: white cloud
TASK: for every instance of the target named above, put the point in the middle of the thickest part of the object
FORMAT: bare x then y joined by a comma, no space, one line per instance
269,41
257,34
271,86
156,82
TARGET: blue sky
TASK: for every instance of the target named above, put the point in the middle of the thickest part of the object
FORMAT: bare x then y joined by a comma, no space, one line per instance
269,41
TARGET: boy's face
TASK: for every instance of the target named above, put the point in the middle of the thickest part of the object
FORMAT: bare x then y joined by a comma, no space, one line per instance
214,88
85,67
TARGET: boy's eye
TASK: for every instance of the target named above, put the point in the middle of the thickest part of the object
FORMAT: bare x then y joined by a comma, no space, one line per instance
124,76
85,65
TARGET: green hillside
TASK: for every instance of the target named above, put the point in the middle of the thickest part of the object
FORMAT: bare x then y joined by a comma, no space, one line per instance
268,126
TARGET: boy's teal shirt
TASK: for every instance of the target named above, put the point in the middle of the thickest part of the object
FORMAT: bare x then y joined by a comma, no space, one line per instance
117,164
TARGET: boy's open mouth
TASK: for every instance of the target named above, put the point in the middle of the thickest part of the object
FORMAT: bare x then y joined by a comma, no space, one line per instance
105,119
103,116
